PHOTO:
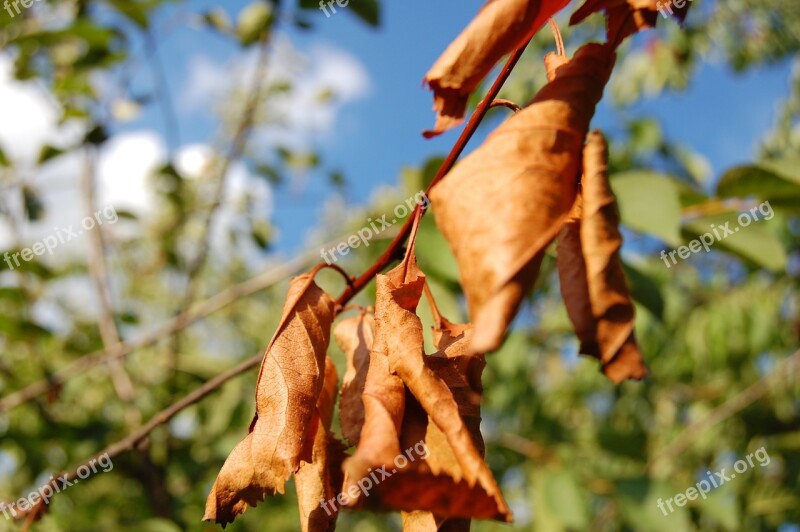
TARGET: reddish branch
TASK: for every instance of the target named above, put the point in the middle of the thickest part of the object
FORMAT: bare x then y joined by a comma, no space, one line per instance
395,249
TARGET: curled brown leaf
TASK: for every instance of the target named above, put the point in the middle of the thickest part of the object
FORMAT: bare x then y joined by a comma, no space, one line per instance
316,481
502,205
289,385
458,483
592,279
626,17
500,27
354,337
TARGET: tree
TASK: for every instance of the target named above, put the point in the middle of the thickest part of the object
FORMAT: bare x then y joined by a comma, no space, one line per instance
718,330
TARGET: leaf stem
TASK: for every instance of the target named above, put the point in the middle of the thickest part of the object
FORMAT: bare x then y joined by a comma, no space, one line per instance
557,34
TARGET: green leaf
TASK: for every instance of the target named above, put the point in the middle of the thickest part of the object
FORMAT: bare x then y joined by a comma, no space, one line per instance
34,208
48,152
777,181
253,22
755,243
97,136
218,19
136,12
269,173
367,10
638,503
566,501
3,159
337,179
416,179
262,234
433,252
645,291
649,203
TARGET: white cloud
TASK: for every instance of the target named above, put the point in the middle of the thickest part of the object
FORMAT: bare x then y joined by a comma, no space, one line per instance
301,111
29,117
126,164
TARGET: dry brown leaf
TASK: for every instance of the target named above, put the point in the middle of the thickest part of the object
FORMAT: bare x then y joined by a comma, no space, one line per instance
384,399
438,484
398,293
626,17
354,337
573,280
289,384
500,27
426,522
462,372
592,279
320,479
552,62
458,484
502,205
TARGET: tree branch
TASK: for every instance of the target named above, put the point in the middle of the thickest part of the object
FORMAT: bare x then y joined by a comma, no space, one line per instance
98,272
395,249
140,434
786,369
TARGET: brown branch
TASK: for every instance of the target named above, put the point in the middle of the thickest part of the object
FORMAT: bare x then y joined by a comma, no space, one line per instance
395,249
139,435
182,321
787,368
236,150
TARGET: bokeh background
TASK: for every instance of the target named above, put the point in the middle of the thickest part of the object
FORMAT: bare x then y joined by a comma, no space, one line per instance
234,139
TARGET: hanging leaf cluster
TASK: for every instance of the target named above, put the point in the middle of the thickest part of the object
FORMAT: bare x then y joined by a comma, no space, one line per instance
410,420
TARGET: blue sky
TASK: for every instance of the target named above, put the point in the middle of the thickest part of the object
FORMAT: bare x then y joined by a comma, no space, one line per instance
721,116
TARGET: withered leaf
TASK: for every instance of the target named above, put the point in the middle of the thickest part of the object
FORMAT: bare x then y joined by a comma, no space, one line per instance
462,372
592,279
503,204
289,385
384,405
626,17
573,279
354,337
463,486
426,522
500,27
321,479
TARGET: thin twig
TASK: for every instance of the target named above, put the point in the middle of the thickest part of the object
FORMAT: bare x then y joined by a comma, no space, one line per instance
98,272
182,321
140,434
500,102
395,249
236,150
784,370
